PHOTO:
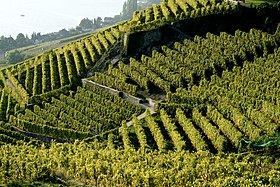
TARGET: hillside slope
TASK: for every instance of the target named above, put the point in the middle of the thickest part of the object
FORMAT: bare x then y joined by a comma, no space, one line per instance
171,97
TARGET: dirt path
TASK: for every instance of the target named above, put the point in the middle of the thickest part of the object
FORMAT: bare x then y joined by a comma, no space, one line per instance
149,104
240,2
10,84
39,136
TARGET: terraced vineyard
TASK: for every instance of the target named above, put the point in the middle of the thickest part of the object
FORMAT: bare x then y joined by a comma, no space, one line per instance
175,116
175,10
186,64
228,108
81,115
216,108
215,114
54,72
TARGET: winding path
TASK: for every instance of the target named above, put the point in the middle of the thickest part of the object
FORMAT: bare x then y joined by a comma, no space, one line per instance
148,104
10,84
38,136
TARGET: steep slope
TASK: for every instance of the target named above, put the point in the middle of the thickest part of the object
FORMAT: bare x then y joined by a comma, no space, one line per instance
216,120
48,78
215,100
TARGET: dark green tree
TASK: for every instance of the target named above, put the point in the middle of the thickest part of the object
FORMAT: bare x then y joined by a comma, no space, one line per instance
128,8
14,57
7,43
86,24
21,40
97,22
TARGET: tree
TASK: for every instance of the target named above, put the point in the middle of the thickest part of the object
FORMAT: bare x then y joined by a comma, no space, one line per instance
21,40
7,43
86,24
79,29
97,22
63,33
36,36
14,57
117,18
128,8
2,61
72,31
125,11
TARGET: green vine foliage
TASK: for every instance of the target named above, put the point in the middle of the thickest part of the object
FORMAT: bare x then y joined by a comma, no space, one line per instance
80,162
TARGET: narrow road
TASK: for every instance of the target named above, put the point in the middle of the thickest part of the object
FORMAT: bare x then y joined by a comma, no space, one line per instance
38,136
240,2
10,84
150,104
143,115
